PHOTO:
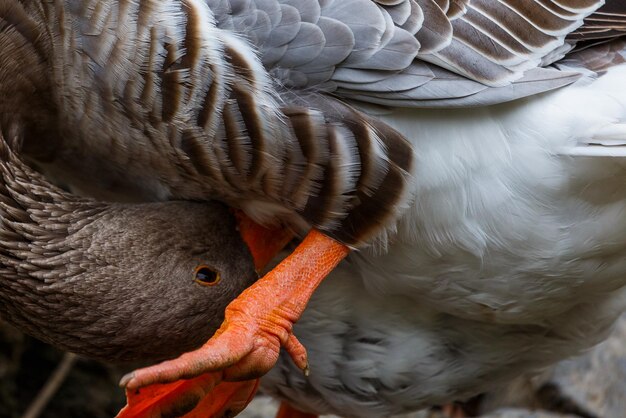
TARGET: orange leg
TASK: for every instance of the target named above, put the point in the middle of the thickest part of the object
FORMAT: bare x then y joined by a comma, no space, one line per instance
257,323
287,411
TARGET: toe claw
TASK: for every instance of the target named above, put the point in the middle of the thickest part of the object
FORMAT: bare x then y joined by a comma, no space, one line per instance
297,352
126,379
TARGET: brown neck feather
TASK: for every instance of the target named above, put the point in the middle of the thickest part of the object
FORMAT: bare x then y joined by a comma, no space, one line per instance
25,95
40,243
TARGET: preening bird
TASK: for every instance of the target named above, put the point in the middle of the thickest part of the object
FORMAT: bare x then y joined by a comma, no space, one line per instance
120,282
508,210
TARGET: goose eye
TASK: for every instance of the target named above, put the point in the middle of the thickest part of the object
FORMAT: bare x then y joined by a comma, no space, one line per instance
206,276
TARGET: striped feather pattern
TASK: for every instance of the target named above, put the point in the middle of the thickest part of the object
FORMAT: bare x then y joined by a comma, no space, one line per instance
495,41
153,96
225,98
607,22
599,58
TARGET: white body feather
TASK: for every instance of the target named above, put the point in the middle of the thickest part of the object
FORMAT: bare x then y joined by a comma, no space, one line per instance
512,257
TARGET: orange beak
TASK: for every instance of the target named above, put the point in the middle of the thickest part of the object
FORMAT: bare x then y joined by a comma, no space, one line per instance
264,243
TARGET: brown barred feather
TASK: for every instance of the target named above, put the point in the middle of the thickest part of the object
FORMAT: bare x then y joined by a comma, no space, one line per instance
243,100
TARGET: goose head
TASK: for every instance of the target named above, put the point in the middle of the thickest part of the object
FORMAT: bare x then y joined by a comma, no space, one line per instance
120,282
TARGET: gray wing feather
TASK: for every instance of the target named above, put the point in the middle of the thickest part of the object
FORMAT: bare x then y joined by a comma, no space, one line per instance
443,85
287,28
449,90
370,27
414,76
310,11
356,76
415,19
436,32
535,81
400,13
389,50
272,8
304,48
393,56
339,44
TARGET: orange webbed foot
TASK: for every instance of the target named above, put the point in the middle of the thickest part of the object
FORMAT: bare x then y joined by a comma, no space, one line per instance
201,397
258,322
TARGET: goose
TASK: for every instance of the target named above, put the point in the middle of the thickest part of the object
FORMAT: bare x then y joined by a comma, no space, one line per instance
507,210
